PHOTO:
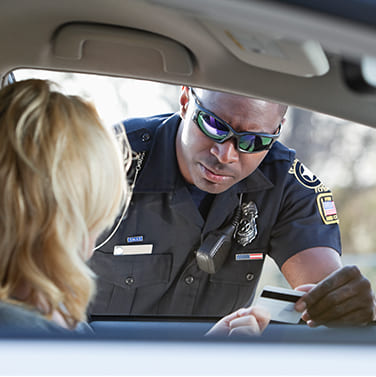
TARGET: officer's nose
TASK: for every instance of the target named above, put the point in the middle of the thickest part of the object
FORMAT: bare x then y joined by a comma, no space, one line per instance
225,153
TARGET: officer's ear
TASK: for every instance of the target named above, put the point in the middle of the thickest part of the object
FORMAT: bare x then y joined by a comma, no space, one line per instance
283,121
184,101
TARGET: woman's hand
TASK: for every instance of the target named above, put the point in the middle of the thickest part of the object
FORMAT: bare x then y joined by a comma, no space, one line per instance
245,322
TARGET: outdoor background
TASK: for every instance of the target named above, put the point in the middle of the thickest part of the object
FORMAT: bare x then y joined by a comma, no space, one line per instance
340,153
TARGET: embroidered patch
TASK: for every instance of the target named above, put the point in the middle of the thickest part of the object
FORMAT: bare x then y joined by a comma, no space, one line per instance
327,208
304,176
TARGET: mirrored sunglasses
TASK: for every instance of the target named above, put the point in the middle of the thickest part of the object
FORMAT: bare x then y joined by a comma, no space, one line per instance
220,131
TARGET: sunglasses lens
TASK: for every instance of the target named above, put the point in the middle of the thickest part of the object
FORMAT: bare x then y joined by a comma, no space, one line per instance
254,143
211,126
247,143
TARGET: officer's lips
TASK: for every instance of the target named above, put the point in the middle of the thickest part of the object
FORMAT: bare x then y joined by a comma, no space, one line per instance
213,176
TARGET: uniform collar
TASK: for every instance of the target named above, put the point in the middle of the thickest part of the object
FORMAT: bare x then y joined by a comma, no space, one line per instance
160,172
259,179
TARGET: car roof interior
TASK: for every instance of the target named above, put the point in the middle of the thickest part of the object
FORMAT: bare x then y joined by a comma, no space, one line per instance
265,49
307,54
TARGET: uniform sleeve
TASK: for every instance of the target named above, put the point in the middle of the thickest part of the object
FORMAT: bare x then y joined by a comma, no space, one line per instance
307,216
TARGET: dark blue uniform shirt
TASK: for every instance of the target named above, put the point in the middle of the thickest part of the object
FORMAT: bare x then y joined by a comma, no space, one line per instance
295,212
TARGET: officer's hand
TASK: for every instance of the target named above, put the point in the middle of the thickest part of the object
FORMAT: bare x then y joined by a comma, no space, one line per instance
343,298
246,322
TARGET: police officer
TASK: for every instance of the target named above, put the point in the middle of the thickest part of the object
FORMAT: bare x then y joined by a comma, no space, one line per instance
217,172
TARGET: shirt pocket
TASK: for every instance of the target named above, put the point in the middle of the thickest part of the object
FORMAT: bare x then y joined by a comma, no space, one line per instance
119,277
242,271
234,285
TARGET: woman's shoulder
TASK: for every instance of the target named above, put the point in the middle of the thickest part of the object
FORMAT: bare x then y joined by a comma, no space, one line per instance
15,317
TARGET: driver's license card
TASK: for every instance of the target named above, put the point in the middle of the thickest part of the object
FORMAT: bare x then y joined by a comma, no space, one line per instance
279,302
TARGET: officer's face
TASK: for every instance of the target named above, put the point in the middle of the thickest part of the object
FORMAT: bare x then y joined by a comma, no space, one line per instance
211,166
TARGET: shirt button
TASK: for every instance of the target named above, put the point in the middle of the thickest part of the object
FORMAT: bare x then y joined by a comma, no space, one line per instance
145,137
129,280
249,276
189,280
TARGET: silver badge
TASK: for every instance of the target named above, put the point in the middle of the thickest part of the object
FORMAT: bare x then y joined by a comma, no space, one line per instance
247,228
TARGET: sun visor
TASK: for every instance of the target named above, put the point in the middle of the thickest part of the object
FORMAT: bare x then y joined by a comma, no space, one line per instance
273,52
116,48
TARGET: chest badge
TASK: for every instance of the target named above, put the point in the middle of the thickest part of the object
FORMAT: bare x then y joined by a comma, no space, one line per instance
246,231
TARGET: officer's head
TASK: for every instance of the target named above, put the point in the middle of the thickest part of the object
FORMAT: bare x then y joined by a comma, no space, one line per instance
224,137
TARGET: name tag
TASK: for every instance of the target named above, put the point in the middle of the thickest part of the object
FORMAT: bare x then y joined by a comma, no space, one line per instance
133,249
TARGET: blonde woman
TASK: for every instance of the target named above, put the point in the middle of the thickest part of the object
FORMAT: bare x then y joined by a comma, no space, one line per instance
63,181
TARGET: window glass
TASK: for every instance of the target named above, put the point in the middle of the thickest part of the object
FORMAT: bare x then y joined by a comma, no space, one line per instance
339,152
114,98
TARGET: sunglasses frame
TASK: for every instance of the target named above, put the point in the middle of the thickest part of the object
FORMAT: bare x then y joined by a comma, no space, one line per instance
232,133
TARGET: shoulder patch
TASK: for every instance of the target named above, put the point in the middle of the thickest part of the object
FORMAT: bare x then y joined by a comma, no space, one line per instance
305,177
327,208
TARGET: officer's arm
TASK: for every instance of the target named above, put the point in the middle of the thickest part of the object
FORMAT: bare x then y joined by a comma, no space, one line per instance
311,265
344,297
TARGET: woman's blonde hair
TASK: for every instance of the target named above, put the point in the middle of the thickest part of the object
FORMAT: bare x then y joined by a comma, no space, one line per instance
63,181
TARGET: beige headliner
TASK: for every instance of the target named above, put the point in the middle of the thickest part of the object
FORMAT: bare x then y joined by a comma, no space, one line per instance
30,30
